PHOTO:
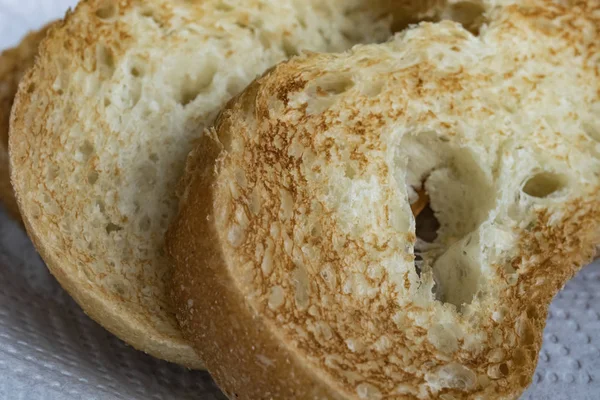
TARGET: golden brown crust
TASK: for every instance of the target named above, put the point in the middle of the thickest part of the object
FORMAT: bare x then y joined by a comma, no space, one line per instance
14,63
241,340
295,296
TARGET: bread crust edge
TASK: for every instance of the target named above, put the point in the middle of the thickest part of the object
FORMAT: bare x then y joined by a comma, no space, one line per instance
247,342
117,320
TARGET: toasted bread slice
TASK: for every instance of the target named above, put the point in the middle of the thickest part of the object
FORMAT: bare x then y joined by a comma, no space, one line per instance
295,243
103,123
14,63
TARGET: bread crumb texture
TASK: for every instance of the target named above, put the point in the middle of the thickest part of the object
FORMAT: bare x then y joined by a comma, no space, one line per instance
103,124
296,271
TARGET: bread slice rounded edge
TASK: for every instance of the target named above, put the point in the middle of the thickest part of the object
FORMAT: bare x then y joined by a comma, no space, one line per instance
206,308
18,60
121,322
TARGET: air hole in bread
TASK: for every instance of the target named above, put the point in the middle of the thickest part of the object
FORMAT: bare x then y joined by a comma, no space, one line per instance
467,13
453,376
243,24
544,184
31,88
193,87
223,6
450,196
350,171
503,368
86,149
470,14
106,11
333,85
105,60
288,48
427,225
107,102
325,90
92,177
153,157
110,228
149,13
137,71
497,371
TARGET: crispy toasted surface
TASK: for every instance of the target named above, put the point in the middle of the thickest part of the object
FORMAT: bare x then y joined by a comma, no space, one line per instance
103,123
295,243
14,63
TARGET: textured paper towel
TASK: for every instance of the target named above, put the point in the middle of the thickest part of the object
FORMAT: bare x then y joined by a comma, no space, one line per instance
50,350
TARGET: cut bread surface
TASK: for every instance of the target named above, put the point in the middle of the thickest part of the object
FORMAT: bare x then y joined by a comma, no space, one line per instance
14,63
103,123
295,243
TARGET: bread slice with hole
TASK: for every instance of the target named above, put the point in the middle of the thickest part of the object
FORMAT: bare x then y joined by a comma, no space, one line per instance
103,123
295,243
14,62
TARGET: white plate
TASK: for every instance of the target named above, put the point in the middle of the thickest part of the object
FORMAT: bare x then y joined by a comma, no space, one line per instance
50,350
